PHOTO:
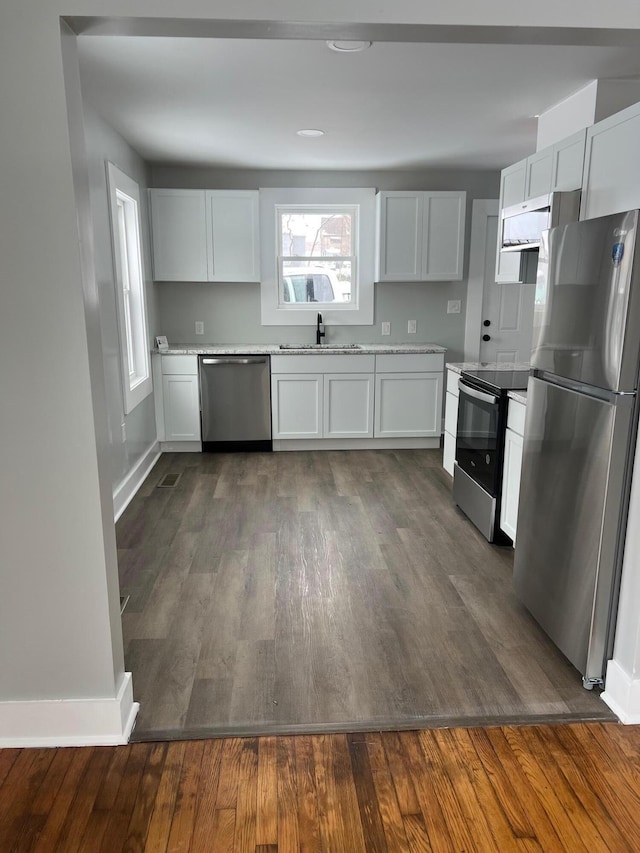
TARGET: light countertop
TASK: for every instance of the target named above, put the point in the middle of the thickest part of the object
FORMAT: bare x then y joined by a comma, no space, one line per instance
518,396
274,349
486,365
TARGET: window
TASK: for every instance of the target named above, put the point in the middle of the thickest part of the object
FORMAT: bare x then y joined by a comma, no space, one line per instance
317,254
124,196
316,260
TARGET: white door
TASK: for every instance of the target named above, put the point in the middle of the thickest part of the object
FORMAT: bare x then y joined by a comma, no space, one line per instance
507,312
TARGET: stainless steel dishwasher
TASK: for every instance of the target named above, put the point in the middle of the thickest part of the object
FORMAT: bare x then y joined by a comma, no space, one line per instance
235,402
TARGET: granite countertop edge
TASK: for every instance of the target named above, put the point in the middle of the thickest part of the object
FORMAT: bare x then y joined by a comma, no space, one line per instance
459,366
274,349
518,396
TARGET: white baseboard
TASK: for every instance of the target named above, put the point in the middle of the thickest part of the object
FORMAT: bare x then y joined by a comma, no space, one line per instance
355,443
125,492
622,694
181,446
69,722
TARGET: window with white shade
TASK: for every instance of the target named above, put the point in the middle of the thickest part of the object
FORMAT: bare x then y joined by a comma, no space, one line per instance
124,196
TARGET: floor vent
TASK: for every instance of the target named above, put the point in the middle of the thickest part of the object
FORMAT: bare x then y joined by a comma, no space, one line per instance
169,481
124,600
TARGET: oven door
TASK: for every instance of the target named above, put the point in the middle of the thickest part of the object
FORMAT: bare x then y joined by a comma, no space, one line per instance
477,438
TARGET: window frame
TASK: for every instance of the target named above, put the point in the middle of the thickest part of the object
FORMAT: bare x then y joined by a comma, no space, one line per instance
360,203
130,287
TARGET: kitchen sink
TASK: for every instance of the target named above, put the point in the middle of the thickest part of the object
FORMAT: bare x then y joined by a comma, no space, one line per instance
320,346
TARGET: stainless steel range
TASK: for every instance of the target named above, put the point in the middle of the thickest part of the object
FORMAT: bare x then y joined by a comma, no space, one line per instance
482,421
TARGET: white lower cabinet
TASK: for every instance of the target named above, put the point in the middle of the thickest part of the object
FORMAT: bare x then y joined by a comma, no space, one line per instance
408,404
177,401
181,402
296,405
348,405
450,421
511,468
322,396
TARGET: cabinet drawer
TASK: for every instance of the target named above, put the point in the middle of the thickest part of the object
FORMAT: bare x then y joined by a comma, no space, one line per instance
516,416
361,363
413,363
452,382
180,364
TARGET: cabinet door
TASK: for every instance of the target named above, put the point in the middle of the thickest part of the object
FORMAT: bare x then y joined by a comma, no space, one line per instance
348,405
179,233
181,407
443,236
296,405
408,404
539,166
611,179
511,483
399,231
449,453
568,163
234,238
512,187
512,184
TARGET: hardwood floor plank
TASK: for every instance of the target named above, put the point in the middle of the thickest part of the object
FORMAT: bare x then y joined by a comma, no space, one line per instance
162,816
267,793
288,830
368,806
385,793
78,815
307,795
417,835
145,799
120,814
184,812
247,801
543,829
400,774
206,817
43,800
48,837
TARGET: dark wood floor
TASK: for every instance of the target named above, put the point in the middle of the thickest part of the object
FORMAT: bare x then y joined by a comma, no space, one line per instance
573,788
325,591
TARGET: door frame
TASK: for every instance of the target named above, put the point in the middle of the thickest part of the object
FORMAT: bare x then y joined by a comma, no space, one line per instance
482,209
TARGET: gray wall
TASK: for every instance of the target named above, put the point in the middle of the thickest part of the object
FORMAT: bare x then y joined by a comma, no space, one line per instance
231,312
103,143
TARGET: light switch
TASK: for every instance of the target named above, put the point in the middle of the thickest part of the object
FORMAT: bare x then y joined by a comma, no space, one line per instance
199,327
386,328
411,327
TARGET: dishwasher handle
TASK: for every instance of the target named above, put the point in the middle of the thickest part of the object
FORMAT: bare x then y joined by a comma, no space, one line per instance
258,360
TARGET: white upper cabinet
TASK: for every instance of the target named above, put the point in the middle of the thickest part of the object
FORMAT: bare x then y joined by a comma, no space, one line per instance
568,163
180,237
512,186
539,167
232,220
420,235
611,177
205,235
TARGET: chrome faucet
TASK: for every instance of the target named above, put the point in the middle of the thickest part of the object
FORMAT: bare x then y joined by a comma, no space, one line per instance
320,333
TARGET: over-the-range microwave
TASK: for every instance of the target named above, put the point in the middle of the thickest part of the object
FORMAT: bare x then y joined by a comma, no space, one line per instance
522,224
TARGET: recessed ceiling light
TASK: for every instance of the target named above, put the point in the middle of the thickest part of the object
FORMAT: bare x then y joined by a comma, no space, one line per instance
348,46
310,131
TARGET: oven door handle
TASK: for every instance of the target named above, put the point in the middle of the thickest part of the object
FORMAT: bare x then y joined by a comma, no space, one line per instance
479,395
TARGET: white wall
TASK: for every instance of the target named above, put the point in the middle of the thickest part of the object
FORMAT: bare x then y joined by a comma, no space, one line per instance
59,626
103,143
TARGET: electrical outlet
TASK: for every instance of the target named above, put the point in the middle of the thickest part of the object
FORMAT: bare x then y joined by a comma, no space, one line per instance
386,328
453,306
412,327
123,428
199,327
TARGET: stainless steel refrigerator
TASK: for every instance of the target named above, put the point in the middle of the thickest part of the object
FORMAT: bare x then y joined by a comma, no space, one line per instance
580,436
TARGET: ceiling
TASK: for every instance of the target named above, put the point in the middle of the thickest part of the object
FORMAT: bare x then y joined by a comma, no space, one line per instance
238,102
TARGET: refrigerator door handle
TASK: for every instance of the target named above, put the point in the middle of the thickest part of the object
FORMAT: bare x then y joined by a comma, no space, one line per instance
616,398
